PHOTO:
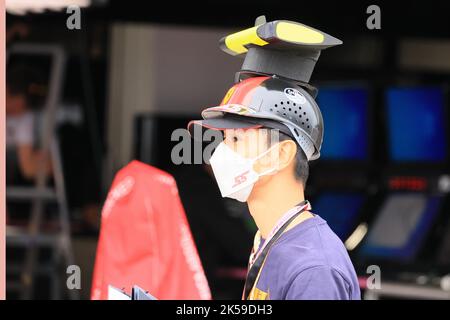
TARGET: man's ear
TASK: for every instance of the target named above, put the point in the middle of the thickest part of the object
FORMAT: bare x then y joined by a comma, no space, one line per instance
279,157
287,151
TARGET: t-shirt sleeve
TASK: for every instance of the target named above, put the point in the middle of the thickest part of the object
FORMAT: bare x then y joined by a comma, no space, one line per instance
318,283
24,133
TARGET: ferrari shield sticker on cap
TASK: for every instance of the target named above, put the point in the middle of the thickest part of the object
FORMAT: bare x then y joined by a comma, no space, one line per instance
295,95
228,95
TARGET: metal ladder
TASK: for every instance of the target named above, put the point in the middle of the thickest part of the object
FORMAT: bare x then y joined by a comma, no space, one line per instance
33,237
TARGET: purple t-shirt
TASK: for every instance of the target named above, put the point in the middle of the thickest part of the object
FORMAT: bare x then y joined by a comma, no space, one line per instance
308,262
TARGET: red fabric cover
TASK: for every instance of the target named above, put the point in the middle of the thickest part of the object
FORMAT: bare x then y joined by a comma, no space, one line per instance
145,239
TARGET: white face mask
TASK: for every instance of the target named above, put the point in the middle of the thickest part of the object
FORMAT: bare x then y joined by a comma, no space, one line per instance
234,173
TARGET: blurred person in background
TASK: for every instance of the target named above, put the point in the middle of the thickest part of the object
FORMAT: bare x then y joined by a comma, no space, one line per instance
24,156
25,93
21,124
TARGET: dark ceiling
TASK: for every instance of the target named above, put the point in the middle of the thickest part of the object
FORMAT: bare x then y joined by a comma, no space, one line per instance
415,18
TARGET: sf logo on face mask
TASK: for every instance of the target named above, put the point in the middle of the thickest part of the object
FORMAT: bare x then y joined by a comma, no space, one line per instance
240,179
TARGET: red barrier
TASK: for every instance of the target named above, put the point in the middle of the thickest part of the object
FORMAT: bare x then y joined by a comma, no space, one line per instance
145,239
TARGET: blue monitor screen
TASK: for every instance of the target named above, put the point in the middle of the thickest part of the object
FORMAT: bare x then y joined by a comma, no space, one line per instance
344,111
401,226
340,210
415,120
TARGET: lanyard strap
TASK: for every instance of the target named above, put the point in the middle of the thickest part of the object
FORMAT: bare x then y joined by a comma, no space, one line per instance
258,259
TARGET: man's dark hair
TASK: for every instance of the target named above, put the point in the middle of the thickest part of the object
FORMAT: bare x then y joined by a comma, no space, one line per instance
17,81
22,79
301,162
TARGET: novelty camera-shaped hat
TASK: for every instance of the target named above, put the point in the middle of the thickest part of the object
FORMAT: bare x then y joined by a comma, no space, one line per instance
287,49
272,88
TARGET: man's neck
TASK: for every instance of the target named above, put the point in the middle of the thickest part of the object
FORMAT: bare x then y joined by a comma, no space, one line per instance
270,202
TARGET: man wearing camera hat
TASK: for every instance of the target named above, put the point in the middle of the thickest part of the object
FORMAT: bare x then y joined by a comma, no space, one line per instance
272,128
